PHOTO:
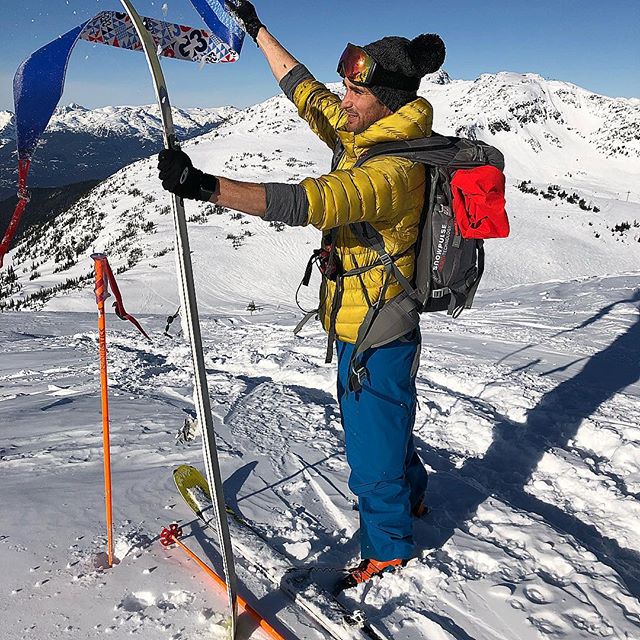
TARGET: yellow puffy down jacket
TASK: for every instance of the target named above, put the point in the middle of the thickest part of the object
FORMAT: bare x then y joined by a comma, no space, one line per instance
387,192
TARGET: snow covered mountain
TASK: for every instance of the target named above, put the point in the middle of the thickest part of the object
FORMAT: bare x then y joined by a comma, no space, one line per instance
87,144
573,160
527,419
511,101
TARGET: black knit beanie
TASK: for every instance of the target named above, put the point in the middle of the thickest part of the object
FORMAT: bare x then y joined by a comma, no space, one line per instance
409,58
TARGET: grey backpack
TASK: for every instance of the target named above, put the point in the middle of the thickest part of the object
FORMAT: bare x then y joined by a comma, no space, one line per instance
449,251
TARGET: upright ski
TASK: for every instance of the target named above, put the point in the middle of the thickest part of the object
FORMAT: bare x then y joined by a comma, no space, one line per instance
189,304
318,605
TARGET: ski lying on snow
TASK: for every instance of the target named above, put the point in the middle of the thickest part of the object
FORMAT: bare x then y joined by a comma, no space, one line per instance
319,605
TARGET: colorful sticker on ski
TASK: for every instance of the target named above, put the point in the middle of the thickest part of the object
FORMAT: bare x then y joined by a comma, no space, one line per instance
172,40
39,80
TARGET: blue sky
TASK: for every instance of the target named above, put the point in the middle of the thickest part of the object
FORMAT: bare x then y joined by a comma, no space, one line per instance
593,44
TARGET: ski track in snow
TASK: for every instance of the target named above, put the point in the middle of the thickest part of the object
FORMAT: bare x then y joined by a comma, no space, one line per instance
528,419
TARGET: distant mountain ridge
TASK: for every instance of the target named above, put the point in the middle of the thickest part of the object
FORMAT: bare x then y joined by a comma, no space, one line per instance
572,162
91,144
86,144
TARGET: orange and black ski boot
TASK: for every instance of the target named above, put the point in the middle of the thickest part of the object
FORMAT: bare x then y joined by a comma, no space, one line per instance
366,570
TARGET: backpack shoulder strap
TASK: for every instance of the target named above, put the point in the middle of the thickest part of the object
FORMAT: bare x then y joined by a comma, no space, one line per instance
409,149
370,237
438,150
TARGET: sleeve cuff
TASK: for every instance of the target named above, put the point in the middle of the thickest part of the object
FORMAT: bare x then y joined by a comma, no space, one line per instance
289,83
286,203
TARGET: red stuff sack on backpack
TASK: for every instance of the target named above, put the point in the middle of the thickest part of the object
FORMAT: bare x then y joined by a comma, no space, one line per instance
479,203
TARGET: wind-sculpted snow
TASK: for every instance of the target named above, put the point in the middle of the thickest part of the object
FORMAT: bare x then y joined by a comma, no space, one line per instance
528,419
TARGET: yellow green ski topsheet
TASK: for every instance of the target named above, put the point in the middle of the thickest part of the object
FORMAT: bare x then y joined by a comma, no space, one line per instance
190,481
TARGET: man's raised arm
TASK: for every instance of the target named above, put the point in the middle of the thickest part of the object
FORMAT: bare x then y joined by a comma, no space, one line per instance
273,201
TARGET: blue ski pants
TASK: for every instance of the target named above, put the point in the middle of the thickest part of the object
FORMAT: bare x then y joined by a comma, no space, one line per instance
387,475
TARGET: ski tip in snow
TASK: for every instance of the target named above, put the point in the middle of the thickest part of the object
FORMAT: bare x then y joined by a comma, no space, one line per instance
190,482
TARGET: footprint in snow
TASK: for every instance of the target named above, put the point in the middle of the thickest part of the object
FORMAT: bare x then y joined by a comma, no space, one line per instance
538,595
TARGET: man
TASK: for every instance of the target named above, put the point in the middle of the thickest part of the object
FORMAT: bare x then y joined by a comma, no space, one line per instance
378,409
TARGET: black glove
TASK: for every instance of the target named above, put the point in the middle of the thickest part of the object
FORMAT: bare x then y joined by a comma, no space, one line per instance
246,13
179,176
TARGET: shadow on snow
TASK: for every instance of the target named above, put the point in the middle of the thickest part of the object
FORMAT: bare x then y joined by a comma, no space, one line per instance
509,462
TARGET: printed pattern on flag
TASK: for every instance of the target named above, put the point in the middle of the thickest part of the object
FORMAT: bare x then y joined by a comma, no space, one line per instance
224,16
172,40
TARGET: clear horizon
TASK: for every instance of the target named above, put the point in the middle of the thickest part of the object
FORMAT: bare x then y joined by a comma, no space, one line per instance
584,45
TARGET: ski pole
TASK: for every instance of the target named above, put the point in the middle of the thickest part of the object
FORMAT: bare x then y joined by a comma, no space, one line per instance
170,535
101,294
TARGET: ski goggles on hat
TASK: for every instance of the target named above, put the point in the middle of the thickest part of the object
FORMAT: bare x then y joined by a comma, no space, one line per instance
357,65
360,68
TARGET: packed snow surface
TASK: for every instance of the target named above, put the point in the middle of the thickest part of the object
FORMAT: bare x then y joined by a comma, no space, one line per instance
529,414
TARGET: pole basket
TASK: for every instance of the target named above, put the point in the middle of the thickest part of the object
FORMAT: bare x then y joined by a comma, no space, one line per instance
170,534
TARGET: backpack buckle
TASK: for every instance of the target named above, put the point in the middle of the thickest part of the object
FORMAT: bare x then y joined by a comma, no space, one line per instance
358,376
436,294
386,260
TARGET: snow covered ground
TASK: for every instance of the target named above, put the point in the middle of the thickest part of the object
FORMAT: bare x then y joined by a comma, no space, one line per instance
529,420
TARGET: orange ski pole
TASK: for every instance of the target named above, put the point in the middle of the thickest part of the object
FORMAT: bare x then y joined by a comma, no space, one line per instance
101,294
171,535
